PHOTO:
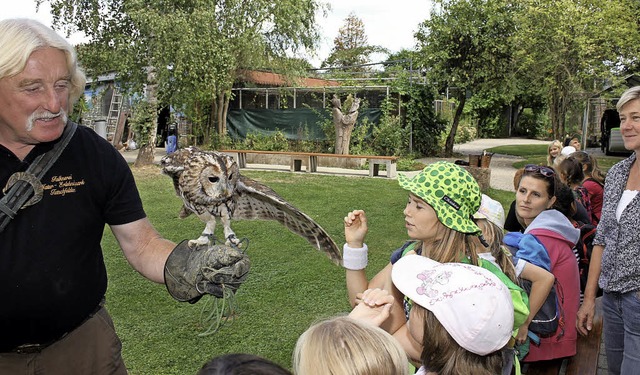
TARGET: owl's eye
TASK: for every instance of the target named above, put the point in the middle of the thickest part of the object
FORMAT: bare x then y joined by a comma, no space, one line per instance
214,179
231,176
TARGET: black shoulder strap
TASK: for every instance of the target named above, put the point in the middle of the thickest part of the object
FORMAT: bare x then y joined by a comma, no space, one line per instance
21,185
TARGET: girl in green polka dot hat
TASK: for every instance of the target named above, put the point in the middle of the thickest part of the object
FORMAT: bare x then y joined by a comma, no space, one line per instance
443,198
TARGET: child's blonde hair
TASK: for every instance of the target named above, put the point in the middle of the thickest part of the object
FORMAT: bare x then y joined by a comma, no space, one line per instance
555,143
447,248
342,345
494,235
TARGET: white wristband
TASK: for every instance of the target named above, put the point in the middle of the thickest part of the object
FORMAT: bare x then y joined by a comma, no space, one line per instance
355,259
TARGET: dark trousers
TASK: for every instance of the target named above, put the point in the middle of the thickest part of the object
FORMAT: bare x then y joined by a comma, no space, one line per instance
92,348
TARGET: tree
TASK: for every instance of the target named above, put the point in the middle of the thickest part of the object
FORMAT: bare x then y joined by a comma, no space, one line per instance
350,47
565,47
466,45
344,120
194,48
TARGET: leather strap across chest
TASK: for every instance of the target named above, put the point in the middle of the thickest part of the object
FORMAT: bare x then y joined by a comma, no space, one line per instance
24,189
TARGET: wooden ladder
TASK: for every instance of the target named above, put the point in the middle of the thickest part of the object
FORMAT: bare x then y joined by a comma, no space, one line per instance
115,108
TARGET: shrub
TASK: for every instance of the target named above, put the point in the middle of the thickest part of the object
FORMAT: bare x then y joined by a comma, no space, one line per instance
388,137
142,120
425,125
274,142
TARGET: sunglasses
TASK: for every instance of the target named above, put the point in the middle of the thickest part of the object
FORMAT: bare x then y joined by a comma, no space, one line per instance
543,170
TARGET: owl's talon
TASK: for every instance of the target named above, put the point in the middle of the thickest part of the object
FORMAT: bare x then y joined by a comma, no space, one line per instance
232,240
202,240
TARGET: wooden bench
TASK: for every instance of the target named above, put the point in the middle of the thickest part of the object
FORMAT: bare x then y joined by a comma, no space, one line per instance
585,362
310,160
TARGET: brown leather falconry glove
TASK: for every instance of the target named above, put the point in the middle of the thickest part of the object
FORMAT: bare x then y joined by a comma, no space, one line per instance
190,273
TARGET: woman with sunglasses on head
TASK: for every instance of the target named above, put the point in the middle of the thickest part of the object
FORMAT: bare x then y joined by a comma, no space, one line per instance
535,200
615,260
513,223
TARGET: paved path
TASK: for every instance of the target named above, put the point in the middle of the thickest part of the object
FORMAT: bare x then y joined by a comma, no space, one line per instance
502,170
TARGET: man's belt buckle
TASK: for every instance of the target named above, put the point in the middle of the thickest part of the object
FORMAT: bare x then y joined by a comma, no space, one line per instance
29,348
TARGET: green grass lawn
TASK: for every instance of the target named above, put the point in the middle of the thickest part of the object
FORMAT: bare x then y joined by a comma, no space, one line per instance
290,284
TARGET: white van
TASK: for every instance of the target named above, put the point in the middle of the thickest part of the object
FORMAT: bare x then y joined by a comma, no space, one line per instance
615,144
611,138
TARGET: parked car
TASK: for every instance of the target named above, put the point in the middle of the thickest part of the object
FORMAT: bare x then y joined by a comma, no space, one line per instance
611,138
615,144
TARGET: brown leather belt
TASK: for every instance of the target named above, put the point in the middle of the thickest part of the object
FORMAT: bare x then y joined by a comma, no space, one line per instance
31,348
37,348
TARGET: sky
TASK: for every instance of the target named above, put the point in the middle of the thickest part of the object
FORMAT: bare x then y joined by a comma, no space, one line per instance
387,24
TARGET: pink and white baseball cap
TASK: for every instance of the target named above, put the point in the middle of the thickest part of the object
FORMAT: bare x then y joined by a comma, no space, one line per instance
470,302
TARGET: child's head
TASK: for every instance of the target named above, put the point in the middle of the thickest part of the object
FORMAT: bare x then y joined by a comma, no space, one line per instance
346,346
490,218
462,314
574,141
589,165
240,363
567,150
566,201
554,148
570,171
491,210
450,190
443,199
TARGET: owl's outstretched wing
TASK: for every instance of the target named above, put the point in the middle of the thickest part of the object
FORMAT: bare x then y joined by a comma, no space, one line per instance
259,202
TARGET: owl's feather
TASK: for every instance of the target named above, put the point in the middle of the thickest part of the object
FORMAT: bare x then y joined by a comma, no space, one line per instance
211,187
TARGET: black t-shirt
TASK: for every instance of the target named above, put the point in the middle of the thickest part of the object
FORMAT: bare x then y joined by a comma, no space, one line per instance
52,272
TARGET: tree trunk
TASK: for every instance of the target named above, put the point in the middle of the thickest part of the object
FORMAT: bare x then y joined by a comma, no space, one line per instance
448,146
222,128
557,113
225,110
146,153
344,123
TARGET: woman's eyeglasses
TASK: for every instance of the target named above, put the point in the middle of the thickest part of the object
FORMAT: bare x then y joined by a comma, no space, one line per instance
543,170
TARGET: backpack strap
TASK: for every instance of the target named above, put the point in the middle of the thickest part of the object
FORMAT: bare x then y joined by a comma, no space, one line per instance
24,189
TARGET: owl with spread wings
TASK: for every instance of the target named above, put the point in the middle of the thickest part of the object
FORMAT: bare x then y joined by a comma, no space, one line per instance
212,188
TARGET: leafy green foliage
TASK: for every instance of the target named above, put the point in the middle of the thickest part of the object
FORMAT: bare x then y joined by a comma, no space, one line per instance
465,45
389,137
142,121
427,127
275,142
196,47
79,109
526,68
568,49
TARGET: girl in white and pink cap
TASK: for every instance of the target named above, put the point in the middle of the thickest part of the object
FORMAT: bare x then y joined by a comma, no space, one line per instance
461,315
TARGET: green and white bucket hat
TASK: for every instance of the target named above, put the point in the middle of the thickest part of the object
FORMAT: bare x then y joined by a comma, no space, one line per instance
451,191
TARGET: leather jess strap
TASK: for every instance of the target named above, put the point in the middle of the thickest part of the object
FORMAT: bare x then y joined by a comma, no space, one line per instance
24,188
